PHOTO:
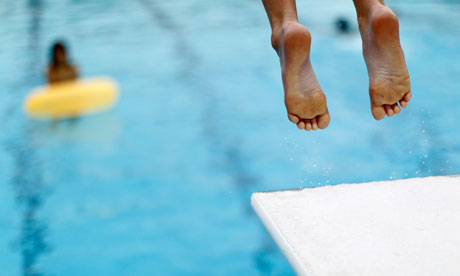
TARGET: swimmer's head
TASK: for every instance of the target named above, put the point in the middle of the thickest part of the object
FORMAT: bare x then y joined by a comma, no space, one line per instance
342,25
58,53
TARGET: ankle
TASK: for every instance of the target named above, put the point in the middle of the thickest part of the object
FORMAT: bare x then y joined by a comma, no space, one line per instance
276,37
376,16
279,32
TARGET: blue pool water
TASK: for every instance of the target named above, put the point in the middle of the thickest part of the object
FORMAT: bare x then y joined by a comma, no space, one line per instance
161,184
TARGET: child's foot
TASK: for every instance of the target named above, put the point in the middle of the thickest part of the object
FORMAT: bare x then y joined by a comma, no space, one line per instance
389,81
304,98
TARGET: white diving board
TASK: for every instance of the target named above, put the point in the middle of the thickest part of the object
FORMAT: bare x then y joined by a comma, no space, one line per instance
402,227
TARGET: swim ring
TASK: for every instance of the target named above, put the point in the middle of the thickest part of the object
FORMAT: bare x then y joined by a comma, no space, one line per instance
71,98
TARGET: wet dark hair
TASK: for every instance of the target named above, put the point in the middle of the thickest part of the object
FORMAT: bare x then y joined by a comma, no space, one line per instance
58,46
342,25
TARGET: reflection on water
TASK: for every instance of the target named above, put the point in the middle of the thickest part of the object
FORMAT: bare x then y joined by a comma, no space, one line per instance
33,69
32,242
233,161
27,179
28,183
31,192
181,46
35,9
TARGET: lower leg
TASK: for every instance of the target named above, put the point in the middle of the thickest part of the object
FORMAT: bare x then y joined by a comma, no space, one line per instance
279,12
363,7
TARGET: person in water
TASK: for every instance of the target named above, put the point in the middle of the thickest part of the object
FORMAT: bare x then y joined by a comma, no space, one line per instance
60,69
389,82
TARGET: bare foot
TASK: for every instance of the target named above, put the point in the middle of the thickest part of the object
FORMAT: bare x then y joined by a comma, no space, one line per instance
389,81
303,96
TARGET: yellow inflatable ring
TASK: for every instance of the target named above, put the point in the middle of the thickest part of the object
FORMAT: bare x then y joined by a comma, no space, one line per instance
71,98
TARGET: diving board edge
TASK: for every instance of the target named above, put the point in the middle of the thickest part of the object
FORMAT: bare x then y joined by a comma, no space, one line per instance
277,236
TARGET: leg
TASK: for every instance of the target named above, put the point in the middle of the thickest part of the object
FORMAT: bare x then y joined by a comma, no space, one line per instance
303,96
389,81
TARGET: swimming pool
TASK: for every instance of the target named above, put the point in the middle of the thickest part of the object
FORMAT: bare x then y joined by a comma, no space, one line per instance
161,184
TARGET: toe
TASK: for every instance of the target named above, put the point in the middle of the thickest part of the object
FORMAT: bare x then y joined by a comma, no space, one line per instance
377,111
293,118
403,103
396,108
323,120
301,124
388,110
314,124
408,96
308,126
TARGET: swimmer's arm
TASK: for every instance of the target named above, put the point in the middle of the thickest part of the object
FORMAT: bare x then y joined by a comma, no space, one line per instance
51,75
75,73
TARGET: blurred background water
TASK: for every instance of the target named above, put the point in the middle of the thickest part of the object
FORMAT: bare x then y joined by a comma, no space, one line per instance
161,184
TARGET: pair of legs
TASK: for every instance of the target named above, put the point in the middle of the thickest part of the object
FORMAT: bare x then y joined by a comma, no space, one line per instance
389,83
